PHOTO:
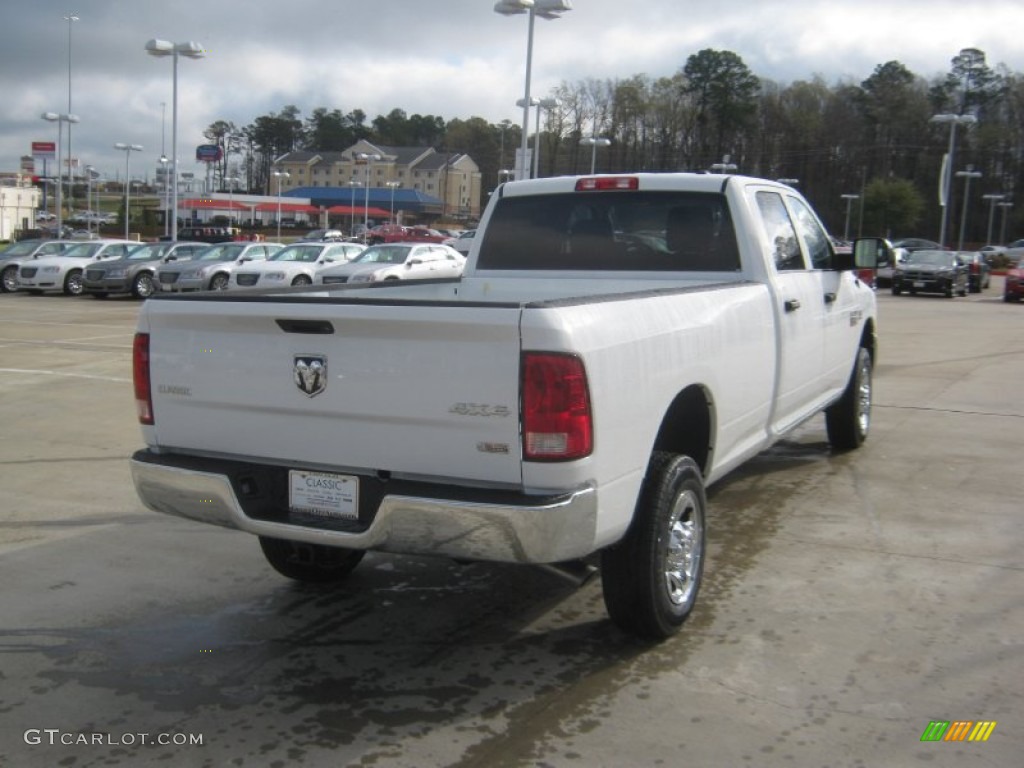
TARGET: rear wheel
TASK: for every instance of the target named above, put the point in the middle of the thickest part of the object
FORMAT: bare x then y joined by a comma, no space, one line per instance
651,577
9,279
310,563
848,420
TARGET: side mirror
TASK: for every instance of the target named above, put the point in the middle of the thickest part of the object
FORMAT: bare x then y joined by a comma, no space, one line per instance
869,252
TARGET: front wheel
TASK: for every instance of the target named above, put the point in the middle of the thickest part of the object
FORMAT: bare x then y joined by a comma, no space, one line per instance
9,279
219,282
650,578
310,563
74,283
302,280
848,420
142,286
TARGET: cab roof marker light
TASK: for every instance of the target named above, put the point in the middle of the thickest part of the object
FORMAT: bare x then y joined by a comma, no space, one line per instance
607,183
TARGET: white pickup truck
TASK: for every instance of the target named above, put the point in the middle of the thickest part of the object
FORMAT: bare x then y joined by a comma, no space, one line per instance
616,343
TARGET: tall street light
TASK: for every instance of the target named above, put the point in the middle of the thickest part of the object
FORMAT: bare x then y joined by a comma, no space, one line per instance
90,176
192,50
946,180
967,175
594,142
279,175
849,202
60,119
992,200
231,181
546,9
367,158
352,205
393,185
127,149
1006,205
70,19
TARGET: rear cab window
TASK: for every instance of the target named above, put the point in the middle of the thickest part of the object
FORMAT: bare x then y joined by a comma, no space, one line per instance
619,230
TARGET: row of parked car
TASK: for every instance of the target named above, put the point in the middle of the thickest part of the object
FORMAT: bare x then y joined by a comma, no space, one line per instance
107,267
924,266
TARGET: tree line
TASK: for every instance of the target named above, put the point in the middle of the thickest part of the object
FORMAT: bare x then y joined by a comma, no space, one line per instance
875,139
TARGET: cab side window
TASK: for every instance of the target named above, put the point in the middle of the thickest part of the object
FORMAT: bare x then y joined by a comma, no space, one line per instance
786,253
818,246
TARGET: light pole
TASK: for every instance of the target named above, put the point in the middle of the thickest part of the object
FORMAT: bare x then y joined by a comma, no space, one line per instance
946,180
163,193
89,176
70,19
231,181
546,9
394,185
992,200
725,165
967,175
193,51
127,149
352,205
846,228
1006,205
547,104
367,158
60,119
594,142
279,175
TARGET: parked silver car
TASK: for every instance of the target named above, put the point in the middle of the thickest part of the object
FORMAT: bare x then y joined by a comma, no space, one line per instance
15,254
211,269
134,273
66,271
397,261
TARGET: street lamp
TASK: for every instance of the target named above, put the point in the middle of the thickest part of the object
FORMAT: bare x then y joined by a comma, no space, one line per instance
1006,205
846,228
394,185
127,149
546,9
60,119
946,180
279,175
70,19
725,165
367,158
231,181
967,175
352,205
547,104
992,200
193,51
90,175
594,142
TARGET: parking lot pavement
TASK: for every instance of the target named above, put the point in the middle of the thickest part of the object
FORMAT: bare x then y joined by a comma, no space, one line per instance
850,601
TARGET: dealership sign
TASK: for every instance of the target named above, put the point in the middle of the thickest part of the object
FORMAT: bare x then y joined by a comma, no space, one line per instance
209,153
47,150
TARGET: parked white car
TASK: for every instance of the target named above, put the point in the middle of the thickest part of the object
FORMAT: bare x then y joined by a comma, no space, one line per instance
211,269
462,242
15,254
397,261
296,264
65,271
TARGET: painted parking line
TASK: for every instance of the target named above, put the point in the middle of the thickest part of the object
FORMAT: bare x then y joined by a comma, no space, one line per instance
62,374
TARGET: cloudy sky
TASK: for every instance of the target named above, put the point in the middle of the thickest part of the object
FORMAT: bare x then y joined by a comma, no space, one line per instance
449,58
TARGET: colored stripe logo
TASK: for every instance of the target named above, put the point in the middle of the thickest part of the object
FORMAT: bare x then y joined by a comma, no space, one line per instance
958,730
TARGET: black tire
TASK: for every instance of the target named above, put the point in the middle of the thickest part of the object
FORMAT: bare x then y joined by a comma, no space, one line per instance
219,282
9,279
310,563
142,285
848,420
302,280
74,283
651,577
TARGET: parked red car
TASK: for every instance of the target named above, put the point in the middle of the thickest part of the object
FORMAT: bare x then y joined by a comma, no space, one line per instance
1014,290
394,233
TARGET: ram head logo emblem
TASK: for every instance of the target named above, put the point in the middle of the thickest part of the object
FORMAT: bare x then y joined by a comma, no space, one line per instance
310,374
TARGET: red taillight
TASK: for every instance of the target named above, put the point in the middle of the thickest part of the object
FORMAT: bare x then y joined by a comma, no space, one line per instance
140,375
557,425
607,183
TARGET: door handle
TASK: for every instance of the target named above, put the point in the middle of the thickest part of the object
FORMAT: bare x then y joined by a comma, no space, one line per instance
792,305
830,298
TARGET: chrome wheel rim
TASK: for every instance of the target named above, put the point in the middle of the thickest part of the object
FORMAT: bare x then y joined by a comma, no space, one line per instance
144,286
75,284
685,549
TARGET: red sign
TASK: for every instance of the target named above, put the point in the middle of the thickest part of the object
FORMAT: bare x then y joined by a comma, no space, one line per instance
47,149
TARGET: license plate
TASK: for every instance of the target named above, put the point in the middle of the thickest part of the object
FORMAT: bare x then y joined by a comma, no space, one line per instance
919,283
323,494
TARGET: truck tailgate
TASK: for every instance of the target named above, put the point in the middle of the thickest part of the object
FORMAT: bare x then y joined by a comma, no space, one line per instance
414,390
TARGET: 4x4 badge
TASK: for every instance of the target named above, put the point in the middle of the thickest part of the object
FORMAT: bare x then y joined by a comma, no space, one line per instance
310,374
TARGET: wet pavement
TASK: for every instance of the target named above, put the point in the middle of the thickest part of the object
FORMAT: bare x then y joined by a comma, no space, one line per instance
848,601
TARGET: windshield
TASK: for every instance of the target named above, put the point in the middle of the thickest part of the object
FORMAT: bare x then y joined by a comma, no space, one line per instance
82,250
382,254
221,253
934,258
304,253
19,249
148,252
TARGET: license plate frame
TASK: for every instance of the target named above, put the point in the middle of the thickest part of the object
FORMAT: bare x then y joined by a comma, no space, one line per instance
323,494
